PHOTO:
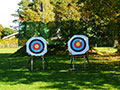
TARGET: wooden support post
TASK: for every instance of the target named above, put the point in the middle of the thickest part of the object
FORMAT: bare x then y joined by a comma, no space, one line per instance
84,62
73,63
31,61
43,63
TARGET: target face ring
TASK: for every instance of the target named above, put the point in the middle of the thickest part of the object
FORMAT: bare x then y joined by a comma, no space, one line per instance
78,44
36,46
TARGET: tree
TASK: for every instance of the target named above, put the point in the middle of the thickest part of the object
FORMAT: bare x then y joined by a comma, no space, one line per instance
117,20
63,12
1,30
31,12
102,17
7,31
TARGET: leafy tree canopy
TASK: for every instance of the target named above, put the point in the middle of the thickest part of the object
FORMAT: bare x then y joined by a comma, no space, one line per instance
31,11
7,31
1,30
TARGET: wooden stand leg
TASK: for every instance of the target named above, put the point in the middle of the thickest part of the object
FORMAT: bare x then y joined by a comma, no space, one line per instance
87,60
31,61
46,62
43,63
84,62
73,63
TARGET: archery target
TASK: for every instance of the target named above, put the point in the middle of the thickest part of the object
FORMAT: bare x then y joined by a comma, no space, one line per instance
78,44
36,46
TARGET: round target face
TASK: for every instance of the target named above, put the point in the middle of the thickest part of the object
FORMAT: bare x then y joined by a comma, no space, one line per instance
78,44
36,46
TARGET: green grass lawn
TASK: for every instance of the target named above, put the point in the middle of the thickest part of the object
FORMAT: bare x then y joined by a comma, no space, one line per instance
102,74
106,49
8,50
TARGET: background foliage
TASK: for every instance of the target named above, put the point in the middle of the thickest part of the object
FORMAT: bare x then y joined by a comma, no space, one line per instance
5,31
98,19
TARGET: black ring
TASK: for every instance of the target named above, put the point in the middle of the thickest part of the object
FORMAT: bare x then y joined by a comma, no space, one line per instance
32,50
78,50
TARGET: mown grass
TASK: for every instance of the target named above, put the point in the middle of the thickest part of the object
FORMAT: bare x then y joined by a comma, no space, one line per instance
11,43
102,74
8,50
106,49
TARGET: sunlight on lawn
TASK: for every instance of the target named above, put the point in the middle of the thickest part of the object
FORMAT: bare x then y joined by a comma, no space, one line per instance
102,74
106,49
8,50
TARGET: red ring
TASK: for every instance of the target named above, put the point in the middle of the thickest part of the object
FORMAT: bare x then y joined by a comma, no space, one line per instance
79,45
35,47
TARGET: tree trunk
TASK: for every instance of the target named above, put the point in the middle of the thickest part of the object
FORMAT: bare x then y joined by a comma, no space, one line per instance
119,41
115,43
119,48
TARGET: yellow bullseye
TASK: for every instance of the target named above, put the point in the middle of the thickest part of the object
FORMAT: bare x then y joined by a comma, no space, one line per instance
77,44
36,46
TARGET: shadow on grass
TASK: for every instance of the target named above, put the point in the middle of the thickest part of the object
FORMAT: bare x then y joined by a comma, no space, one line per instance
100,75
